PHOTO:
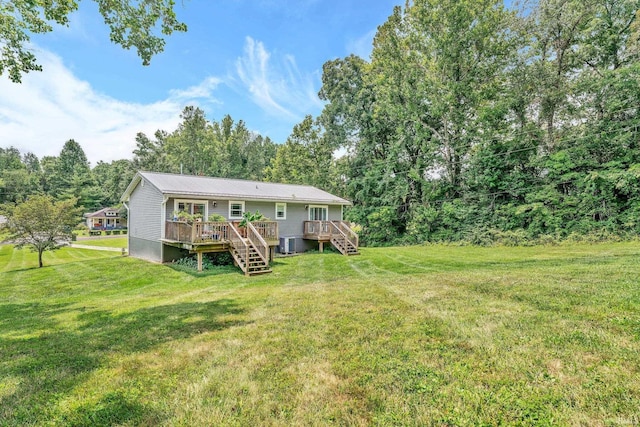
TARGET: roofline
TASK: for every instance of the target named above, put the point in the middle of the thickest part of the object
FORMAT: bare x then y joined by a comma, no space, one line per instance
132,185
342,202
139,176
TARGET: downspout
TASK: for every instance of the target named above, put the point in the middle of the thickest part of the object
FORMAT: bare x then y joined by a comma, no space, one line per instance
128,222
163,220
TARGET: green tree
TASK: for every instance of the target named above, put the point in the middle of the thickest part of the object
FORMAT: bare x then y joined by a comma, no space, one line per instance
113,178
305,158
42,224
150,155
137,24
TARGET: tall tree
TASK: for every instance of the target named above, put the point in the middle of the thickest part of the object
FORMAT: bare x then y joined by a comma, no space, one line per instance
305,158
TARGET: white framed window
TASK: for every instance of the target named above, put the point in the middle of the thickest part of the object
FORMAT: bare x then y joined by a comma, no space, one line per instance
236,209
281,211
192,207
318,212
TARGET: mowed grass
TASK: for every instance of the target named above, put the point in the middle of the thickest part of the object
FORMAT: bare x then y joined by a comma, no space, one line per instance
432,335
107,242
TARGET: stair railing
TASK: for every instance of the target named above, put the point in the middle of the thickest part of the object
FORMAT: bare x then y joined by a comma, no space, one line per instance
241,247
349,233
337,235
258,242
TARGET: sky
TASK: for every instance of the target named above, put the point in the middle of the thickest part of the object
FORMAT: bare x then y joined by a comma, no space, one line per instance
259,61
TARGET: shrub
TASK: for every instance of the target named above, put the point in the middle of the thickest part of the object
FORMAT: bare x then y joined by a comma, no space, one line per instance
217,218
210,261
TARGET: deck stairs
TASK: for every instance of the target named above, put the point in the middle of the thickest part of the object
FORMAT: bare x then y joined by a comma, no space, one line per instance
246,254
343,239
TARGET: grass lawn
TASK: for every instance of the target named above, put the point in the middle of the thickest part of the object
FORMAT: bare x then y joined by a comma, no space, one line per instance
432,335
109,242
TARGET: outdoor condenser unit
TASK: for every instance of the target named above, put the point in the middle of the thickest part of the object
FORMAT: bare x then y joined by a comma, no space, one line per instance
287,245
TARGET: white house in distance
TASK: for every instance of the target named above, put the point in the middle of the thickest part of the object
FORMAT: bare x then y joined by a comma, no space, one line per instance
105,219
301,217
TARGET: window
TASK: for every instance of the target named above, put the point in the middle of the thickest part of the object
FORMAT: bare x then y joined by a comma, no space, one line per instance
236,209
193,207
281,211
318,213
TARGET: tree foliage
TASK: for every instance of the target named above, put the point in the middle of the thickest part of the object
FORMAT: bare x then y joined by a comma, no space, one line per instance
133,24
472,120
198,146
42,224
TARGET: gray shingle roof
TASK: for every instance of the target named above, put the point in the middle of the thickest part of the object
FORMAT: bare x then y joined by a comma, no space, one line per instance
235,189
101,213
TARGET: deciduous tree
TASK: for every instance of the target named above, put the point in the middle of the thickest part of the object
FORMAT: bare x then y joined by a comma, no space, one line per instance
42,224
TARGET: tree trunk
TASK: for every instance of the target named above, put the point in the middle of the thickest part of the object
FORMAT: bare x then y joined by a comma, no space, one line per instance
40,258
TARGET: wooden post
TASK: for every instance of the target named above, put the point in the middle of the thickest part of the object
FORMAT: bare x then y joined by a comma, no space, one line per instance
321,246
246,260
199,262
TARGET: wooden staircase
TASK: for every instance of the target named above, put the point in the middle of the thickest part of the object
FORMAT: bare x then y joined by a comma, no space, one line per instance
251,253
344,239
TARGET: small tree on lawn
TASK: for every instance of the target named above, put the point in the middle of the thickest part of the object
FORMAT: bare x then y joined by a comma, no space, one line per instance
42,224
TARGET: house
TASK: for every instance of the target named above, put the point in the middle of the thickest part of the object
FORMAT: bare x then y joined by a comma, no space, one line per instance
302,218
105,219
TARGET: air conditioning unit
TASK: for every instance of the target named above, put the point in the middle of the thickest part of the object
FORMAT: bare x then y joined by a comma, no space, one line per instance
287,245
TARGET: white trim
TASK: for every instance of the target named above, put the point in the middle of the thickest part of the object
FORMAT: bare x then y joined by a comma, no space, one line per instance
284,211
163,217
235,202
193,202
325,207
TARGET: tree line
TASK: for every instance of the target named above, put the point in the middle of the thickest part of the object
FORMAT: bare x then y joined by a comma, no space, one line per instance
197,147
470,121
476,122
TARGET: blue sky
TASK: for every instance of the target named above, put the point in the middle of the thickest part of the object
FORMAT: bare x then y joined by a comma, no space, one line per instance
258,60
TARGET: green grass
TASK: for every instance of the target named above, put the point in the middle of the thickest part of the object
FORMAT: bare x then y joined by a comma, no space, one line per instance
111,242
432,335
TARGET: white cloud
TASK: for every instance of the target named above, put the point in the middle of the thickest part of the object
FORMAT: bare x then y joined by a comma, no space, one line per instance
279,89
51,107
363,45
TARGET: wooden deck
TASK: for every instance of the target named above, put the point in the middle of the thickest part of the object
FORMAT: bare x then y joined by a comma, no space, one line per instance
200,233
338,233
252,250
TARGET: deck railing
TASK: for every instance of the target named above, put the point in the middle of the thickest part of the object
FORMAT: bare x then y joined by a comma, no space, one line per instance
211,232
267,229
324,230
199,232
319,229
178,231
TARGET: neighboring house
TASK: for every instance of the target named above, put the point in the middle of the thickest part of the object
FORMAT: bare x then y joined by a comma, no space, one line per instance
105,219
302,217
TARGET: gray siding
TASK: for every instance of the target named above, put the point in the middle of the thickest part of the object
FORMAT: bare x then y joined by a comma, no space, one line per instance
145,222
145,249
293,226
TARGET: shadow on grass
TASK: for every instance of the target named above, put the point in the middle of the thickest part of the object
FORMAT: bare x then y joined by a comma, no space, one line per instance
214,271
48,264
38,369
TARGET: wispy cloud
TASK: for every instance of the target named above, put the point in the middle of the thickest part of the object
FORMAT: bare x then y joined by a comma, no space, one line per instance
278,88
54,106
363,45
